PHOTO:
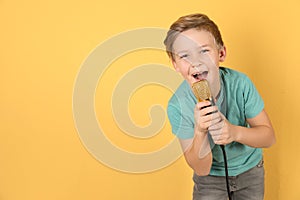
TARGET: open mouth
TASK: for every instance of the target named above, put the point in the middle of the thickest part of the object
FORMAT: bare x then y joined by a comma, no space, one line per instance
198,76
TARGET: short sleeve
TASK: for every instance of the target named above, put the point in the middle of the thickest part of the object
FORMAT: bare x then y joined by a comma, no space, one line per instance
253,102
182,124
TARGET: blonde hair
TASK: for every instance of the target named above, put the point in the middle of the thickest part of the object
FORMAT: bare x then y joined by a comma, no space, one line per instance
197,21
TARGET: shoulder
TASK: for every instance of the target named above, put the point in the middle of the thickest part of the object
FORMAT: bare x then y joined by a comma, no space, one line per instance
180,111
182,93
234,78
241,92
182,102
232,74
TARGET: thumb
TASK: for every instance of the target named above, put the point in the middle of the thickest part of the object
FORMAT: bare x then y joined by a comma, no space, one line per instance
222,116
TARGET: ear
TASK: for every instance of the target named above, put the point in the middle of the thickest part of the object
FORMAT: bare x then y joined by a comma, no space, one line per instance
175,65
222,54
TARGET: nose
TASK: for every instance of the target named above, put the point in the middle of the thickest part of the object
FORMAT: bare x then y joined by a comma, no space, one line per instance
195,62
194,59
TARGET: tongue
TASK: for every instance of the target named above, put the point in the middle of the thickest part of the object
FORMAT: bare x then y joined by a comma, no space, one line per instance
199,76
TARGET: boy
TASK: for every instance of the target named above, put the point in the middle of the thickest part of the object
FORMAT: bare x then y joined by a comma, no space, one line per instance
238,120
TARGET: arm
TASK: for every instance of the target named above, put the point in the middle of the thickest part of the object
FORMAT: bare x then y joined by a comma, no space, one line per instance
259,135
197,150
197,153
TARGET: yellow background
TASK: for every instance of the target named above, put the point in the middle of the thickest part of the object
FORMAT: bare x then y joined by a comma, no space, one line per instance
42,46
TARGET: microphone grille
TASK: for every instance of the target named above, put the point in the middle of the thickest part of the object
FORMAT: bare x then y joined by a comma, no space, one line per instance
201,90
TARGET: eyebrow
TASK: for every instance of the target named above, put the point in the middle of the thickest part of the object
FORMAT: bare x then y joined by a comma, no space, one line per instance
198,47
205,45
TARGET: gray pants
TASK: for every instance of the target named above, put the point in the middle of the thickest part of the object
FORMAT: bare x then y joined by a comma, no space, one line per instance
246,186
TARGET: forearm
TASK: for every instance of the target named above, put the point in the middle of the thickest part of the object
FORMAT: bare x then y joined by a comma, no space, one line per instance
261,136
198,155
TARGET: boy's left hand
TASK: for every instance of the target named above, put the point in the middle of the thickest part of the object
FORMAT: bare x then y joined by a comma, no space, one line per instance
221,132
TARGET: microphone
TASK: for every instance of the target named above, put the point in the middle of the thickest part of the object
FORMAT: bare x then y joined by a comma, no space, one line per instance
202,92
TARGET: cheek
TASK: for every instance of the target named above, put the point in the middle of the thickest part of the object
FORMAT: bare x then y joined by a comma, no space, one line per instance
182,68
177,69
184,71
215,71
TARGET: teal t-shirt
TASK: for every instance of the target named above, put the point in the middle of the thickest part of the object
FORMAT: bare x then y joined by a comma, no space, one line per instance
240,101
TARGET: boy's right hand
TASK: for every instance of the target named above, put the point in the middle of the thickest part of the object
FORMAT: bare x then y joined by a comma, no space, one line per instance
205,116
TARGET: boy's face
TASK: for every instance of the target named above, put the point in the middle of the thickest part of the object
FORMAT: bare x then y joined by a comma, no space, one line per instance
197,57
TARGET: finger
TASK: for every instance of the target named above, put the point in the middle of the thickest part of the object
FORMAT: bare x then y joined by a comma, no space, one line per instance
219,142
209,110
204,125
215,134
218,125
202,104
208,121
221,114
213,119
217,138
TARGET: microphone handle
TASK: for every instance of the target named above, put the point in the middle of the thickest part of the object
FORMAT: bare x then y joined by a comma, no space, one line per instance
224,156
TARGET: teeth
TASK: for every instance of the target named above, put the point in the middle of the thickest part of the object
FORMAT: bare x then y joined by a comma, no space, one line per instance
198,75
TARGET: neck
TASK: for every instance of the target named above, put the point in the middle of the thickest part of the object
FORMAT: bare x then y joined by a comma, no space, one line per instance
216,89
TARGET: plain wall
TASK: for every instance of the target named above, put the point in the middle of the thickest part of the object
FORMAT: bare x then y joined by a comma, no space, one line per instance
42,47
